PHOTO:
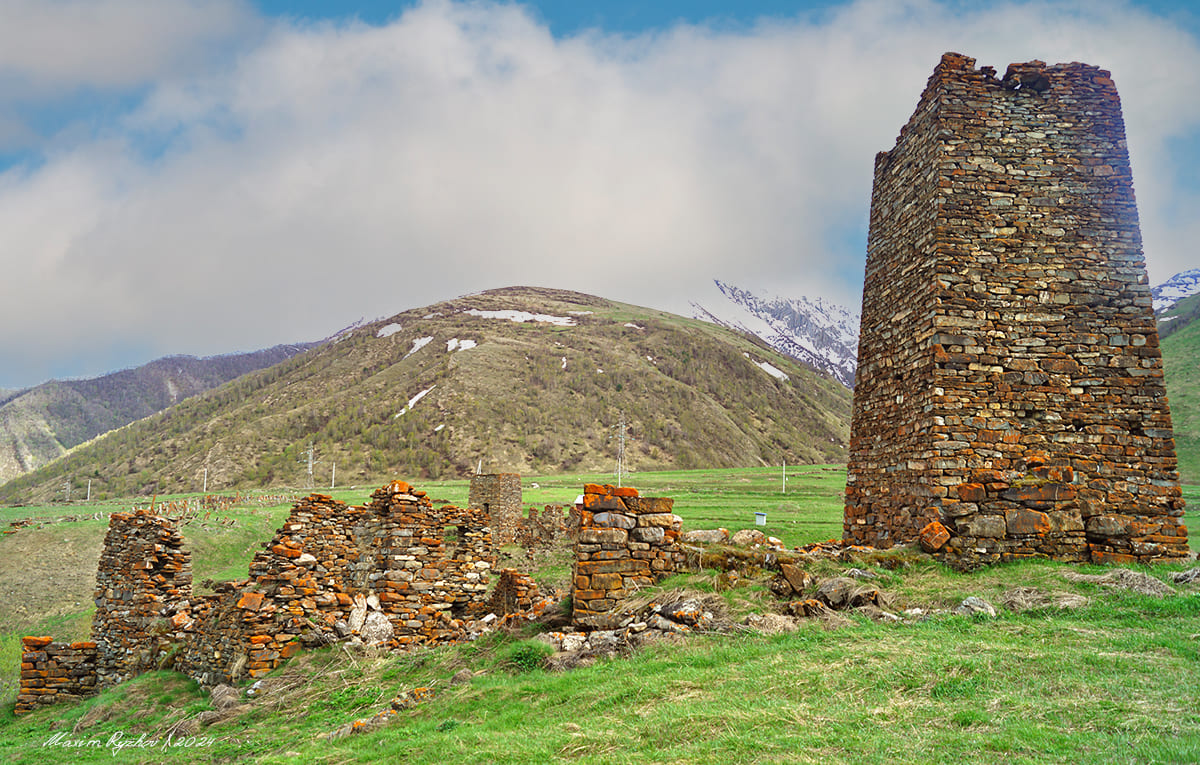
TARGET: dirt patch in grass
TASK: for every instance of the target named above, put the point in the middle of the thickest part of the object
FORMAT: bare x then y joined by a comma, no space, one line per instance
1125,579
1029,598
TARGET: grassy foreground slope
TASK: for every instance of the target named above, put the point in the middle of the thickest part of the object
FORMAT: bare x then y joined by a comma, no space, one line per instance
435,391
1112,680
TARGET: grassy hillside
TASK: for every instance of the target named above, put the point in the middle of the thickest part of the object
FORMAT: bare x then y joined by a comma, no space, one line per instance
404,396
41,424
1181,364
1181,315
1103,681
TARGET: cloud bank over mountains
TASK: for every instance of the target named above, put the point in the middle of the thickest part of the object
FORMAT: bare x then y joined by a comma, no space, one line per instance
239,181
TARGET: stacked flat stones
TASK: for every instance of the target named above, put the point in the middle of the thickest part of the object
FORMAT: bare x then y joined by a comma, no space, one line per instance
53,672
624,542
516,593
1010,385
143,568
425,569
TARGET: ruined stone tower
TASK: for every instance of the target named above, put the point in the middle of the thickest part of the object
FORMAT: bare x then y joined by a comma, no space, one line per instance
1009,382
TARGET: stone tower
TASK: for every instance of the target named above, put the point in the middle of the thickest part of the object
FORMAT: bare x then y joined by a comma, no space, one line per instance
1010,384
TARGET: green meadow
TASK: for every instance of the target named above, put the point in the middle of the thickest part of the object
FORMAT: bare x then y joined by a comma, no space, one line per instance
1114,680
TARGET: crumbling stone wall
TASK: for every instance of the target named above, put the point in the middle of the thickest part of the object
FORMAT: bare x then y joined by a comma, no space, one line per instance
142,569
541,528
1009,382
53,672
425,569
515,593
499,495
397,569
625,542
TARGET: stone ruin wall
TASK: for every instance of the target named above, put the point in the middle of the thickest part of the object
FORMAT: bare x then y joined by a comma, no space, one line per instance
625,542
52,672
498,494
328,571
331,566
143,567
423,571
544,528
1010,383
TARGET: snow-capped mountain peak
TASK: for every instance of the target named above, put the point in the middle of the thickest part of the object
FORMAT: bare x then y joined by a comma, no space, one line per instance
1180,286
814,331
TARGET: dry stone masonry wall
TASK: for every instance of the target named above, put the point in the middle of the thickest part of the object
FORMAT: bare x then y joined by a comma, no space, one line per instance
143,568
625,542
396,571
499,495
1009,398
53,672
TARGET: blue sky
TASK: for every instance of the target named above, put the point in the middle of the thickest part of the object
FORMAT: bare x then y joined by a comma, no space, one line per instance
207,176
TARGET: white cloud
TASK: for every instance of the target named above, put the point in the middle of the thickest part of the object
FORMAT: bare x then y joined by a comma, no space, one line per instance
328,172
47,45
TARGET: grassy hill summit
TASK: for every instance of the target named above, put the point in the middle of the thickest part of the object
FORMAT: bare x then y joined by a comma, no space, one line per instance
522,379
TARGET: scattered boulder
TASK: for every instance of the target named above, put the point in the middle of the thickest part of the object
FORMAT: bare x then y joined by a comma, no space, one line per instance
792,581
358,614
224,696
1186,577
843,592
974,605
771,624
835,592
934,537
799,579
810,608
749,538
706,537
377,628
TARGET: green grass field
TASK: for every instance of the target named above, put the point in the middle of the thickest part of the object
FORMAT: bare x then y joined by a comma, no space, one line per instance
1116,680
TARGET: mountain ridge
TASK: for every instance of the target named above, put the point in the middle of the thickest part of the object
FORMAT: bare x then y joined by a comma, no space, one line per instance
814,331
523,378
42,423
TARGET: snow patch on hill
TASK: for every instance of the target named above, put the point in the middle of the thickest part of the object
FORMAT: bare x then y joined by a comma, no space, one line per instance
417,345
523,316
413,401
